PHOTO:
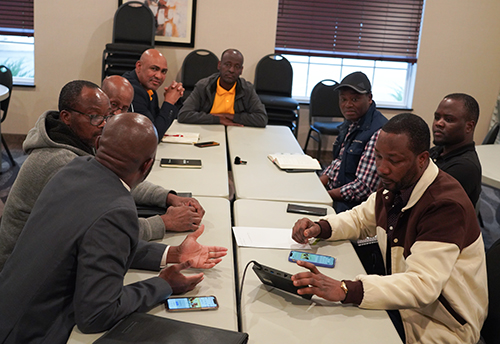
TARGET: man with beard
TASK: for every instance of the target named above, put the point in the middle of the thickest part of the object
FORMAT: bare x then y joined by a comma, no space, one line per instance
435,284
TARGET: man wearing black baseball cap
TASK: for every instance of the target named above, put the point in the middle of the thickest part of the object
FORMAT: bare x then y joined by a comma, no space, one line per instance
352,176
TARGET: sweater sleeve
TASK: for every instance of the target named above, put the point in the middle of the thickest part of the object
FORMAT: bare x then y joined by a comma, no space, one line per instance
254,113
192,110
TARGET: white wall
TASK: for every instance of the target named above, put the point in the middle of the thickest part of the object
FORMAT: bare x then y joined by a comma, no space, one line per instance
459,50
71,35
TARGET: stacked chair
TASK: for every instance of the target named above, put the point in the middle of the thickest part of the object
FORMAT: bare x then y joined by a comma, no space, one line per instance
133,33
273,84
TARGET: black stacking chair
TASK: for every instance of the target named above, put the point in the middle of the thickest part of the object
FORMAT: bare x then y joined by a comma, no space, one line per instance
273,84
197,65
6,80
492,134
324,106
133,33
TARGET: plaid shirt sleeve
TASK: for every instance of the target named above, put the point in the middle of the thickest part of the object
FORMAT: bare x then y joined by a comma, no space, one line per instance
366,175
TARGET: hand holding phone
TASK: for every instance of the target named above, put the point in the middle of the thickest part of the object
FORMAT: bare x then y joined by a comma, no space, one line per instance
195,303
316,259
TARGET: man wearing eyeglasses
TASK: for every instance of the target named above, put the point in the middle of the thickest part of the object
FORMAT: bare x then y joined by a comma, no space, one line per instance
57,138
183,213
120,93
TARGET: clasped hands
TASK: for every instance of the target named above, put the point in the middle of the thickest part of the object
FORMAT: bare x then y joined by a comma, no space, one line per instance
173,92
183,214
227,119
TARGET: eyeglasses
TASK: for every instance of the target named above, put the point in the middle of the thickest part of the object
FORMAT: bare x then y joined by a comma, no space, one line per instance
95,120
116,108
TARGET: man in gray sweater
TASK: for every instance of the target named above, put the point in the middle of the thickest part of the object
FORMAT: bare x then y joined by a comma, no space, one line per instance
57,138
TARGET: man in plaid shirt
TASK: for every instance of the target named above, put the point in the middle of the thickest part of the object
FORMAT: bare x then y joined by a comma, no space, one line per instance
352,176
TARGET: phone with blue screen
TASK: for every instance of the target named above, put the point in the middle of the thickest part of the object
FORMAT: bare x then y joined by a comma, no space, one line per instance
195,303
316,259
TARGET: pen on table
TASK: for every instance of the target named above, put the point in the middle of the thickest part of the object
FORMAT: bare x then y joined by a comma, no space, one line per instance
176,135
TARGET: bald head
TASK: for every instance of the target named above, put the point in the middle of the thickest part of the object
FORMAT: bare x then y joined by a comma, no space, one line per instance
120,93
127,147
151,69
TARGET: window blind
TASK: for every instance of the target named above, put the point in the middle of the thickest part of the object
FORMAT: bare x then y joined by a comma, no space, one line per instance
16,17
367,29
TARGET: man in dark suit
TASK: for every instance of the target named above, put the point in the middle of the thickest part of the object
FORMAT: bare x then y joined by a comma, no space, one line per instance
149,74
69,263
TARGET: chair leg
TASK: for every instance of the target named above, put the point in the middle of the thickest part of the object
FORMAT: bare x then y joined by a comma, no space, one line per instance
319,147
307,140
8,152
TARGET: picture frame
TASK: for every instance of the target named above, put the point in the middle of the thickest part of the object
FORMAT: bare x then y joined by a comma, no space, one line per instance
175,21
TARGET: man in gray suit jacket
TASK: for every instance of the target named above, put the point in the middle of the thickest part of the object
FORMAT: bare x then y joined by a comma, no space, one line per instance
69,263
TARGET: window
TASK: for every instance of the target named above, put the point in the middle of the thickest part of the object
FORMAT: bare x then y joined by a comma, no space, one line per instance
329,39
17,40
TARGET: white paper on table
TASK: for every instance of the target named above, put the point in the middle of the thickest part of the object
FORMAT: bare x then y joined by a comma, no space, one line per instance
267,237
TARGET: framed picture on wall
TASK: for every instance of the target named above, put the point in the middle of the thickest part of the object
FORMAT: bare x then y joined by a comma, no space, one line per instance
174,19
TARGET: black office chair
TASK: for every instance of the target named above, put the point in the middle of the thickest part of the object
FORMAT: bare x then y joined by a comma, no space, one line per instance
492,134
491,328
133,33
197,65
6,80
273,84
324,105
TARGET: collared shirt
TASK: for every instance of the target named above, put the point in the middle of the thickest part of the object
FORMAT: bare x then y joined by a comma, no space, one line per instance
366,174
224,99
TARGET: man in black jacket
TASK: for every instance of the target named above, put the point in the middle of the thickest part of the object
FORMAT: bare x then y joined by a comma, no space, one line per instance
455,153
149,74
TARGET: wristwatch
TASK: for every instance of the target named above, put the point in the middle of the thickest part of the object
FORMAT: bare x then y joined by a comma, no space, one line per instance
343,286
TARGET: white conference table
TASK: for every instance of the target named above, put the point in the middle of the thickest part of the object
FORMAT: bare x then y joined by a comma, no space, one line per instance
260,179
4,92
211,180
218,281
489,156
270,315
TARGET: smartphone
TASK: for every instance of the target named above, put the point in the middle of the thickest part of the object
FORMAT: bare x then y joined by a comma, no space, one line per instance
206,144
184,163
316,259
306,210
195,303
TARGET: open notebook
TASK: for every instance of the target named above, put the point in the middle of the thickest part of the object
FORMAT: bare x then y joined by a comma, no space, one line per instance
295,162
147,328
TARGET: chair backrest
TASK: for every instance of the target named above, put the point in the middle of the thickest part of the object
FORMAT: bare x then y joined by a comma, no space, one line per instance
492,134
6,80
274,75
197,65
134,23
324,100
491,328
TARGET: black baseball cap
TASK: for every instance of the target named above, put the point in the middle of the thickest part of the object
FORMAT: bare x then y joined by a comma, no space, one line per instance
358,81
